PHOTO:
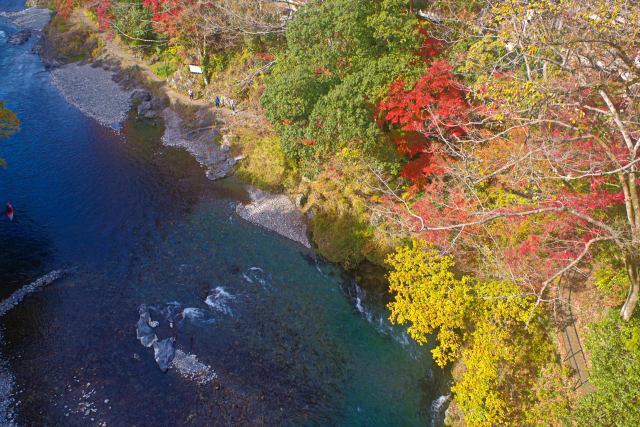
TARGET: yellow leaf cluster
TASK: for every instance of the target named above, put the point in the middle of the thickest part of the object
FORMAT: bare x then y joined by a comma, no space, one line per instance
473,321
9,123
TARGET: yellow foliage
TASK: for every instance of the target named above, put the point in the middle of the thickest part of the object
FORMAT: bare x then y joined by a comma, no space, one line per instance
9,123
475,322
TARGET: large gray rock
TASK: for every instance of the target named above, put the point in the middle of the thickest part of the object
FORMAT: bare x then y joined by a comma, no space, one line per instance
201,144
144,333
145,110
158,103
275,212
163,353
140,95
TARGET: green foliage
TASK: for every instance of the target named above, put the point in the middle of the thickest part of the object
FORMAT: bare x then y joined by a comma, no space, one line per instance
9,124
341,55
57,25
72,44
133,22
612,282
220,60
553,396
341,238
266,165
615,374
164,70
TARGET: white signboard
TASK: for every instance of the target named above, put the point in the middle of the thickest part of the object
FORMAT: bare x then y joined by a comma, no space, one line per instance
195,69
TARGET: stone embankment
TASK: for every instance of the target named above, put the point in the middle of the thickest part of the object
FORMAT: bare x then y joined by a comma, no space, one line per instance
18,295
200,143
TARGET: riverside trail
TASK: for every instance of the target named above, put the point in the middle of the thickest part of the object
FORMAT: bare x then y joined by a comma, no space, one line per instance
115,49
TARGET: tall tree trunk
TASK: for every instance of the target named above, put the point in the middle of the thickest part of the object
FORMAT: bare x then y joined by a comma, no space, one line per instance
632,263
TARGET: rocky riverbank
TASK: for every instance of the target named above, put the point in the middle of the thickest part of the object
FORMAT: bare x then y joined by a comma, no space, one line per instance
93,91
107,92
275,212
200,142
30,21
33,18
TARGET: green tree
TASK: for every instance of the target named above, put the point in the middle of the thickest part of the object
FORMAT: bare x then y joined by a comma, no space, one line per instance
340,56
9,124
615,374
133,22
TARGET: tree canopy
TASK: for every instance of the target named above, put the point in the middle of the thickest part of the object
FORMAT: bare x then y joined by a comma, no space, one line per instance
340,56
9,124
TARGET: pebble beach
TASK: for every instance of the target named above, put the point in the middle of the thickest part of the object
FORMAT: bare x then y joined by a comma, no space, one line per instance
93,92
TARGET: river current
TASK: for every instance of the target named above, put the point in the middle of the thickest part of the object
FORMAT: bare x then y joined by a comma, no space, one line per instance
287,338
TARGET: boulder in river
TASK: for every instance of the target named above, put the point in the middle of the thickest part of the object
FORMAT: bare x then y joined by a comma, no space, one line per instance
163,353
143,329
19,37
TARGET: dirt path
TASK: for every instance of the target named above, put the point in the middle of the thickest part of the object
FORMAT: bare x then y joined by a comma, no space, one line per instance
573,352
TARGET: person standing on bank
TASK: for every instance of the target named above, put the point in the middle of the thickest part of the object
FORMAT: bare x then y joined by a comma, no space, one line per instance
190,94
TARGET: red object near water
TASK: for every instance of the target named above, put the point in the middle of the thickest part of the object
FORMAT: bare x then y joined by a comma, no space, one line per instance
9,211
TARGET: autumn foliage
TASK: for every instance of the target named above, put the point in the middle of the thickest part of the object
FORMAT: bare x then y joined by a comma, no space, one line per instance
166,14
434,104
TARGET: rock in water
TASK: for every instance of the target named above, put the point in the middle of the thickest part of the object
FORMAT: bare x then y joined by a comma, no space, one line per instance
19,37
143,331
163,353
191,368
18,295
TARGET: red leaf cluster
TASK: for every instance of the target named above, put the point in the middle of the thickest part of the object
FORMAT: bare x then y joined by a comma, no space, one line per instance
434,105
265,55
166,14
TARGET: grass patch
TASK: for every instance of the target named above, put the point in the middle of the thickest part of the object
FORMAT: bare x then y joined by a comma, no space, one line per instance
266,166
72,44
342,239
164,71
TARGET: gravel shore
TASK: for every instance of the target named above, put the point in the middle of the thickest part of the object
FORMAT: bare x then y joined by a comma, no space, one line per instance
7,382
275,212
93,92
32,18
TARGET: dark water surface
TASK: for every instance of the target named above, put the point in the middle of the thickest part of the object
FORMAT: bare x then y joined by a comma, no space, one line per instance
290,339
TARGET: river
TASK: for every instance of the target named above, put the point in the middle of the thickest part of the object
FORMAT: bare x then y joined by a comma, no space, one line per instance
290,338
